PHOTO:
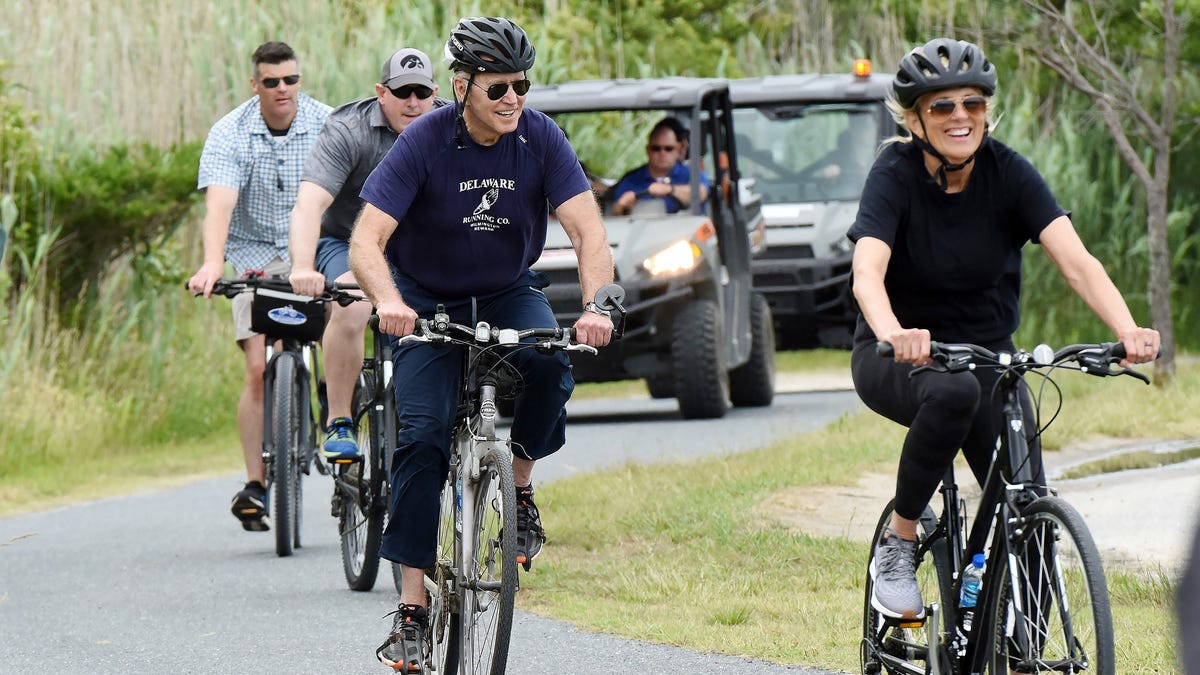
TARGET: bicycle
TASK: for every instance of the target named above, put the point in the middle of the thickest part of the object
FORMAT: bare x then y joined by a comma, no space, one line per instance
473,583
361,489
1044,604
292,325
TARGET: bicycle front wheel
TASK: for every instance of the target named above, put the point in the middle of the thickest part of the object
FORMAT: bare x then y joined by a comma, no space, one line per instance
358,494
894,647
491,583
1050,610
285,452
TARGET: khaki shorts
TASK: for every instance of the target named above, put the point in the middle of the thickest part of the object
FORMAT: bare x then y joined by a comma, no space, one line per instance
242,301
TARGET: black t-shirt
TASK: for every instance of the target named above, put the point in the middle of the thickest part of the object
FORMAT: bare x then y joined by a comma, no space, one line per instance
955,267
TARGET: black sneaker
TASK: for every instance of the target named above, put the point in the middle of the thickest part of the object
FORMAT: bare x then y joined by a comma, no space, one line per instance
404,649
250,507
530,535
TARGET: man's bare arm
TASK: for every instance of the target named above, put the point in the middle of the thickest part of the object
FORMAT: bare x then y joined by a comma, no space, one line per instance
304,229
370,267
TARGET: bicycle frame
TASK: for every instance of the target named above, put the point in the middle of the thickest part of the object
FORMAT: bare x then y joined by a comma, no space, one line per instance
1018,524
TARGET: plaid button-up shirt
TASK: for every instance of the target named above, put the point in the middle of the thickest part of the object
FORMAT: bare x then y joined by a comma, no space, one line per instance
241,154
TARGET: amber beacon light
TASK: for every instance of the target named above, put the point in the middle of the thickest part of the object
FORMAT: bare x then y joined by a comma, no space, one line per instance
862,67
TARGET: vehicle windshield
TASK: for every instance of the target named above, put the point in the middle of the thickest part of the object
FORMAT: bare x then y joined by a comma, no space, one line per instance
807,152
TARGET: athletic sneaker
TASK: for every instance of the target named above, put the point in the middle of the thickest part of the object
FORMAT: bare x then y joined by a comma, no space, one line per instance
341,443
530,535
894,591
404,648
250,507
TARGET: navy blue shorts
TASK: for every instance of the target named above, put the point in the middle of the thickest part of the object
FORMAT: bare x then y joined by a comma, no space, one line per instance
333,257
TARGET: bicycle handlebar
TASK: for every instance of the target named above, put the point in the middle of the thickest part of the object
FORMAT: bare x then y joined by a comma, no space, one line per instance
334,292
1091,358
440,330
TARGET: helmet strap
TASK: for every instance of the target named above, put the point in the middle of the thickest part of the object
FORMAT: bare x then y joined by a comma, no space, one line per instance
940,174
459,108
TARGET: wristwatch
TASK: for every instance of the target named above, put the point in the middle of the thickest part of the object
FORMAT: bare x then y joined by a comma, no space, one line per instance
596,309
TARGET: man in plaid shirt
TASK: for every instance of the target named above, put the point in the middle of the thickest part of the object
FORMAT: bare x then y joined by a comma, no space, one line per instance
250,173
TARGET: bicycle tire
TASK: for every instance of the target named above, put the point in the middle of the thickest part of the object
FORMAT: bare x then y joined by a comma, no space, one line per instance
358,489
905,650
285,430
445,623
492,584
1061,613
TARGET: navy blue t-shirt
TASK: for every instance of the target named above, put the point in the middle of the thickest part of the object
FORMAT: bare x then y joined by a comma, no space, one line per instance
472,221
955,267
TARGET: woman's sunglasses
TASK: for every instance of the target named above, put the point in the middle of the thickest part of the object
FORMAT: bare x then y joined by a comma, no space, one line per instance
497,91
272,82
943,108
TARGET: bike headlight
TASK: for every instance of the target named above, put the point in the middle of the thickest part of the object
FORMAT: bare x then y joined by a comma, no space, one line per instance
681,256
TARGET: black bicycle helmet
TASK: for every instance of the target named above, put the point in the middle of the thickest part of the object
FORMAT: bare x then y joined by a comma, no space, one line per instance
486,44
942,63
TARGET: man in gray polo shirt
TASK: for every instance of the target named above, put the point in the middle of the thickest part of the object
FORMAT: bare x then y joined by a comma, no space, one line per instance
355,138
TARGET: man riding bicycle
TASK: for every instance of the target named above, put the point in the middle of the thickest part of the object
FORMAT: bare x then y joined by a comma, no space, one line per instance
354,139
455,215
944,215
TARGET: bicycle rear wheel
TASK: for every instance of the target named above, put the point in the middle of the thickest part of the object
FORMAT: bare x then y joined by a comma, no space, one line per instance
1049,609
285,440
491,585
358,494
888,646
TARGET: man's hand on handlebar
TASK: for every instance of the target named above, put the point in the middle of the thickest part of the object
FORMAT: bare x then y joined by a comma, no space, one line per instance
204,278
396,318
593,329
307,282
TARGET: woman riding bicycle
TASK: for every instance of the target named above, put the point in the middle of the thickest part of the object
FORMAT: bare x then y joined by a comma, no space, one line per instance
944,214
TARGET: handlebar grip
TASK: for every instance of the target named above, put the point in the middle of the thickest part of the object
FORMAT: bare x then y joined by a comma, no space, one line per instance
884,349
1118,350
373,322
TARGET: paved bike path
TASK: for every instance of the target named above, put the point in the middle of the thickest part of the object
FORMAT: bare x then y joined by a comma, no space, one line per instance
165,581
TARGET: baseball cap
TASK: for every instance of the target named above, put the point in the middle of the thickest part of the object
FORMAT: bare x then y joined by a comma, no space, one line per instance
407,66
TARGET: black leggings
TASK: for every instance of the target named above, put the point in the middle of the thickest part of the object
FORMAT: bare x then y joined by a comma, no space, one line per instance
943,413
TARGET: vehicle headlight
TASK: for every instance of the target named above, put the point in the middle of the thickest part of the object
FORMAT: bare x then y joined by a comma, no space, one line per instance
681,256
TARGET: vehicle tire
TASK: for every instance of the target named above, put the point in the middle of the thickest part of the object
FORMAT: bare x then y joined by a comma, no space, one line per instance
487,629
285,439
359,488
1051,569
891,648
752,384
698,361
661,386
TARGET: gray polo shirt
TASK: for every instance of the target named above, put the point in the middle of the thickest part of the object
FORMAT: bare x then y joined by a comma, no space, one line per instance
355,138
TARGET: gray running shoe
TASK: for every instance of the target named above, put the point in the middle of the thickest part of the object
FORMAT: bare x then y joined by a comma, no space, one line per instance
894,591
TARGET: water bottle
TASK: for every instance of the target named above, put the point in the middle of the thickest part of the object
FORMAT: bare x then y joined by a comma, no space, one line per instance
972,580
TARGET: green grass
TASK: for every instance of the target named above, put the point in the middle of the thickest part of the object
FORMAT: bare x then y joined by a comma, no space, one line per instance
679,554
1140,459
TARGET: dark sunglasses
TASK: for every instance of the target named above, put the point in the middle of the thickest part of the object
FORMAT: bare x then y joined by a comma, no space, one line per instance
499,89
943,108
407,90
661,148
272,82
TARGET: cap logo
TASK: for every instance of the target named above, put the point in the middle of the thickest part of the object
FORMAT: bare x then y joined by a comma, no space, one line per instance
411,61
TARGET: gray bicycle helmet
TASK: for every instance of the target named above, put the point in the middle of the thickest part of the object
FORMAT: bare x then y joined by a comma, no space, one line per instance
942,63
486,44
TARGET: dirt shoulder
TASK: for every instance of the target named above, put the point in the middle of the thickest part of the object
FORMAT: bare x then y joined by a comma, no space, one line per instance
1141,519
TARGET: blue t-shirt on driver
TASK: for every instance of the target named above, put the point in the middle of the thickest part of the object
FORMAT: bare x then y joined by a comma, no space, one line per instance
471,221
639,180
